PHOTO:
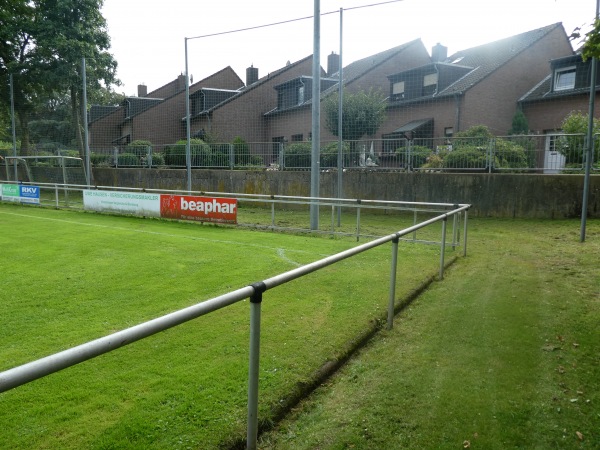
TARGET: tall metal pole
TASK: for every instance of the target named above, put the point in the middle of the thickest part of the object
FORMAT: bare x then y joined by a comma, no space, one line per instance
316,119
340,128
589,148
188,157
86,142
14,131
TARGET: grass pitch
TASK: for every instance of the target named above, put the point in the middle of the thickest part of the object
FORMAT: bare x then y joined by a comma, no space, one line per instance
70,277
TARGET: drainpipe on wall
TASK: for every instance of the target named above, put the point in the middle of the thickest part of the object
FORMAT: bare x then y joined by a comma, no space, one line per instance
457,100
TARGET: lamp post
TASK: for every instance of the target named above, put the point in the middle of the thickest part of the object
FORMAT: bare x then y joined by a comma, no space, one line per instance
589,147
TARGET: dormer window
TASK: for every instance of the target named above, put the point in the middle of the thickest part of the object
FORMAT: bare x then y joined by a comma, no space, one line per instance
564,78
398,90
430,83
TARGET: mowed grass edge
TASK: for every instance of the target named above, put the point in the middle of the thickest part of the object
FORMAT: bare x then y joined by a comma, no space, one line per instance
70,277
505,353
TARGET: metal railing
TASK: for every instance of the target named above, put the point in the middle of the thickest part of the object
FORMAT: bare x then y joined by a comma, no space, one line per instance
552,153
34,370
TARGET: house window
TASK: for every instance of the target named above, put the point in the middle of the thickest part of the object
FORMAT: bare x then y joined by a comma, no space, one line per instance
430,83
398,90
297,137
564,79
448,131
430,79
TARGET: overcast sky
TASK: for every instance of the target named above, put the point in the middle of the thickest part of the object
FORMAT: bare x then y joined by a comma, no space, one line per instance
148,37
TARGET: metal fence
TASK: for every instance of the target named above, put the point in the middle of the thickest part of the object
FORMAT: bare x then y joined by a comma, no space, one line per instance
551,153
31,371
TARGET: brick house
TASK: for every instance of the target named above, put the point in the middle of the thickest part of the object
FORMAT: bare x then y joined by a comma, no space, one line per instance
157,116
427,96
566,88
476,86
291,118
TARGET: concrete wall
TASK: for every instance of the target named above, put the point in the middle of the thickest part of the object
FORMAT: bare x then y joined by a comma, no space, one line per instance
492,195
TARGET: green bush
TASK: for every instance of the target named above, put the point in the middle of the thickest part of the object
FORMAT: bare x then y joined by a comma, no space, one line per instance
418,156
466,158
158,159
128,159
201,154
329,155
100,159
139,147
297,155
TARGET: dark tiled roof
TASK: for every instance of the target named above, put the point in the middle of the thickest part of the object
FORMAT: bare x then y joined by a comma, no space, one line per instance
257,84
489,57
354,71
362,66
99,111
484,60
543,91
138,105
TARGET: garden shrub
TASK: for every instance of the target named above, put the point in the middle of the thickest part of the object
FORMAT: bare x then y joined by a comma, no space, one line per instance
418,156
200,153
329,155
139,147
100,159
297,155
128,159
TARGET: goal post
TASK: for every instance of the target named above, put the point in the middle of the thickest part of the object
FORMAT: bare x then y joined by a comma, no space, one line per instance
53,169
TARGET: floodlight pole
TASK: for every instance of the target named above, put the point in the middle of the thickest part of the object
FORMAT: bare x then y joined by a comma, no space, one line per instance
316,119
340,133
86,143
188,158
589,147
14,133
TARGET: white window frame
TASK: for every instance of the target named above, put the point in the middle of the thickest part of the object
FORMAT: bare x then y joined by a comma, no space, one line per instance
398,88
558,74
430,79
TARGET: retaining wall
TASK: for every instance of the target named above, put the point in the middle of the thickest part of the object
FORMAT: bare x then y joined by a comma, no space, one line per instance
492,195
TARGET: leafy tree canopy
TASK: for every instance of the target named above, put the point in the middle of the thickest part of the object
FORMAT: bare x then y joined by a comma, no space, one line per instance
362,114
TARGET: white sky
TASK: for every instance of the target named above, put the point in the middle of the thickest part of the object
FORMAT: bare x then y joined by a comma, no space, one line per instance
148,37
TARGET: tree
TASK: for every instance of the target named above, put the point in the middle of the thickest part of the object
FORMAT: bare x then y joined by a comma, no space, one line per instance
82,33
575,125
42,45
591,45
362,114
519,124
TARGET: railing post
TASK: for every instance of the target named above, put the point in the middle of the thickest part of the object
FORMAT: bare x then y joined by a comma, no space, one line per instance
392,300
443,250
358,220
465,234
454,229
272,211
231,157
255,309
414,235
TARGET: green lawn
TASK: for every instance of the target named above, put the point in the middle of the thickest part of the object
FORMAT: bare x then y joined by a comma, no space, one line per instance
503,354
69,277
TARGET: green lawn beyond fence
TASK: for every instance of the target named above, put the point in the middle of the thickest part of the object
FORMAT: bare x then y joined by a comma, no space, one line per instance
504,353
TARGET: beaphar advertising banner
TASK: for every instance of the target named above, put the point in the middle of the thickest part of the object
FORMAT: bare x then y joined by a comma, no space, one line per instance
204,209
138,203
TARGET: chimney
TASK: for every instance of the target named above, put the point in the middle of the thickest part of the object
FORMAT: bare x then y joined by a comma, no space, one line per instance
181,82
142,90
251,75
439,52
333,64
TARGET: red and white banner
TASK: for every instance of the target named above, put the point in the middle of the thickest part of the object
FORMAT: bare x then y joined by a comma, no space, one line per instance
204,209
